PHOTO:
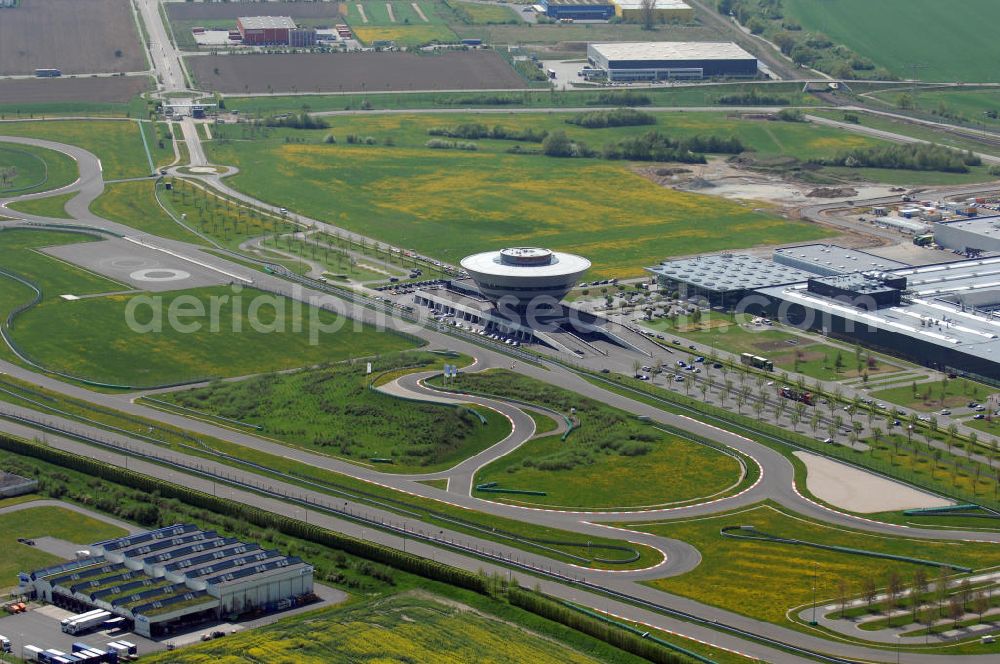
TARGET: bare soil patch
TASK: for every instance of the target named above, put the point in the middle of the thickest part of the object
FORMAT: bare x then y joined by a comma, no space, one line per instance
118,89
353,72
191,11
76,36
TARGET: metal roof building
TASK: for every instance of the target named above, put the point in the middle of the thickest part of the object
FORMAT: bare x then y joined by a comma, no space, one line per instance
982,234
830,259
671,60
174,574
947,316
723,279
664,10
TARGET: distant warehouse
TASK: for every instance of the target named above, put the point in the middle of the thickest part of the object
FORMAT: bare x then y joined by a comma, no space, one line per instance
657,61
259,30
579,10
664,11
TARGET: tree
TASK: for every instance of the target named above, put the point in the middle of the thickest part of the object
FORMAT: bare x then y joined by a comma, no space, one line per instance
980,604
557,144
904,101
842,596
941,588
869,591
955,610
647,10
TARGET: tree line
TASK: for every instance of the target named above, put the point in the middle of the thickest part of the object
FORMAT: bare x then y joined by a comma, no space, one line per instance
911,157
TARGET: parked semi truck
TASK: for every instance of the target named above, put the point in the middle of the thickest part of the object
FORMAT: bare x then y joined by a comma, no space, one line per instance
86,624
756,361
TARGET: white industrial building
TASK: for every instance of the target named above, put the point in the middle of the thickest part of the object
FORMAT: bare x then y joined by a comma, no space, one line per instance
978,235
518,277
658,61
173,576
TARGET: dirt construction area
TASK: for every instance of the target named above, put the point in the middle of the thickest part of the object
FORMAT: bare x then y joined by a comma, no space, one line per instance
116,89
76,36
193,11
353,72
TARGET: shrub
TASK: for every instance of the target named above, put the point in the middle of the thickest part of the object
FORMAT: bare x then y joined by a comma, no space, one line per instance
621,117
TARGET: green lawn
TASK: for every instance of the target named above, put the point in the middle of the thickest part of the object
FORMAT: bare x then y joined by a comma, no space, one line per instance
968,103
377,13
449,203
928,395
115,142
40,522
27,169
92,339
21,255
483,14
412,627
332,410
604,464
764,580
134,204
896,34
50,206
788,351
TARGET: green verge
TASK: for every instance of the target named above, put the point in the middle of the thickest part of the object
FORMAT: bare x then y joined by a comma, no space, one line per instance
603,462
50,206
558,544
134,204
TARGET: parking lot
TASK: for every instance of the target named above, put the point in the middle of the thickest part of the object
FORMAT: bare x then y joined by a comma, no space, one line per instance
40,627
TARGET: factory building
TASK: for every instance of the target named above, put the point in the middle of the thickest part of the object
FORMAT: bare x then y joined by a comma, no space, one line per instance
660,61
178,575
665,11
980,235
830,259
945,316
265,30
723,280
520,277
578,10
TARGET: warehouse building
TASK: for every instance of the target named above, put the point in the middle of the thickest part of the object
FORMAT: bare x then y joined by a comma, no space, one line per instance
665,11
265,30
980,235
723,280
579,10
830,259
175,576
659,61
945,316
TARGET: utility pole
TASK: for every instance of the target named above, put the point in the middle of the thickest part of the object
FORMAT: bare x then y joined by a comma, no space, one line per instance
914,66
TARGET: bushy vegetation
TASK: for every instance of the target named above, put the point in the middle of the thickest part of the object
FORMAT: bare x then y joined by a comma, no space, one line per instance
627,98
296,121
480,100
753,97
474,130
911,157
438,144
332,409
620,117
654,146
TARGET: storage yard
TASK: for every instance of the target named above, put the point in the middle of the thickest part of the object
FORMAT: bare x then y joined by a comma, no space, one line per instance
354,72
75,36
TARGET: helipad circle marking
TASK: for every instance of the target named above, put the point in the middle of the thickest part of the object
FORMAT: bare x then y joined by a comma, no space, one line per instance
159,274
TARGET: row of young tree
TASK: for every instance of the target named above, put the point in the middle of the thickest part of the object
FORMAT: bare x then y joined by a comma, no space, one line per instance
927,602
619,117
474,130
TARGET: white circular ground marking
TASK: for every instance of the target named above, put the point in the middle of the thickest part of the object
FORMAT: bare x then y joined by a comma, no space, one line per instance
159,274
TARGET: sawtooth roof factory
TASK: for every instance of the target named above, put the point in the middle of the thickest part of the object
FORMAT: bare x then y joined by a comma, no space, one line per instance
178,575
659,61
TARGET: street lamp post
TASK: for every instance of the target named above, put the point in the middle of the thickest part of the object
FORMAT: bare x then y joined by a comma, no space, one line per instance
813,621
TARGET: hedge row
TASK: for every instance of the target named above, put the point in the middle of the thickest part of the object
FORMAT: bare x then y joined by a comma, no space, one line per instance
608,632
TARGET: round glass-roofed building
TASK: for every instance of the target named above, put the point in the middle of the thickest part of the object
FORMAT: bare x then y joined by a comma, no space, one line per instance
520,275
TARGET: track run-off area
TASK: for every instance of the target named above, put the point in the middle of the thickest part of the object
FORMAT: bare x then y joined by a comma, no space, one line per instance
617,592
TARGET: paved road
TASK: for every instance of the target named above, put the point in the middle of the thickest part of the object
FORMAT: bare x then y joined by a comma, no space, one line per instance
777,482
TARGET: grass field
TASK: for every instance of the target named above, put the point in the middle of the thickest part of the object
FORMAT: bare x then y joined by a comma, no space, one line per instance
40,522
412,627
406,194
896,33
91,338
115,142
928,395
788,351
765,580
26,169
406,35
19,248
134,204
483,14
677,96
969,103
601,464
50,206
332,410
